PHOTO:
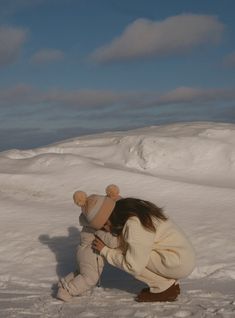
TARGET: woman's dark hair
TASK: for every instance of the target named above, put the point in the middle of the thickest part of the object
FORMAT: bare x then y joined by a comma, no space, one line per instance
128,207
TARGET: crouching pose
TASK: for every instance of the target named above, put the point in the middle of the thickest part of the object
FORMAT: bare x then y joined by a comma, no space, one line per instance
154,249
96,209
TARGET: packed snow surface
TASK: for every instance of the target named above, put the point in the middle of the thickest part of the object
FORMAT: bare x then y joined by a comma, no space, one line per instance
188,169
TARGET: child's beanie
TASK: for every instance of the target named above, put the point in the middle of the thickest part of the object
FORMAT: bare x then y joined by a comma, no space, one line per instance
97,208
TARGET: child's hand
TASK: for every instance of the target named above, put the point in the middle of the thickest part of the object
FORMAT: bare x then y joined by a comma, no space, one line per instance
97,244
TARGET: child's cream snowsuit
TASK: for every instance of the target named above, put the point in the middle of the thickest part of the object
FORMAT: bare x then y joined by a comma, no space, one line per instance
157,258
90,264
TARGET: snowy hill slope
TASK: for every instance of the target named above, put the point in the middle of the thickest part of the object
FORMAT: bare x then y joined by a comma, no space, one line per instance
189,169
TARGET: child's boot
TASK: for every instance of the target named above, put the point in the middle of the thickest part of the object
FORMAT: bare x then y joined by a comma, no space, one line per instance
63,294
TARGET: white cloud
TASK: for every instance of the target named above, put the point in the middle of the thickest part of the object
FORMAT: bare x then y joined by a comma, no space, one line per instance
88,98
25,94
11,41
47,56
83,99
229,60
194,95
19,95
174,35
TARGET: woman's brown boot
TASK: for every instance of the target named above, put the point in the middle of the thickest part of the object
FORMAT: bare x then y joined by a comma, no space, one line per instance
170,294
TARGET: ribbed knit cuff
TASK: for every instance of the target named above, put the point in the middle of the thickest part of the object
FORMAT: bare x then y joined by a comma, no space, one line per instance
104,251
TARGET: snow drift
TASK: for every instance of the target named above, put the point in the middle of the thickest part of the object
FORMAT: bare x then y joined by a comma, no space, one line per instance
189,169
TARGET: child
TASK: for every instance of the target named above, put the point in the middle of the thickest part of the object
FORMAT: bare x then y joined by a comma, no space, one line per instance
96,210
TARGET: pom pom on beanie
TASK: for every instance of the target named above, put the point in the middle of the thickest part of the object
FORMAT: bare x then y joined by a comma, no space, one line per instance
112,191
80,198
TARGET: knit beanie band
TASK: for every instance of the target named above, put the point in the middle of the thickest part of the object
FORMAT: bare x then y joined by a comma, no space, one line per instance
97,208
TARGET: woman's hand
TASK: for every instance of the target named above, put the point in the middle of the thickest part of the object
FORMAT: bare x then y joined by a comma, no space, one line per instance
97,245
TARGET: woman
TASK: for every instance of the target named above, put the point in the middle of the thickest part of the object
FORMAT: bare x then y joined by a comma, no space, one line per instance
152,248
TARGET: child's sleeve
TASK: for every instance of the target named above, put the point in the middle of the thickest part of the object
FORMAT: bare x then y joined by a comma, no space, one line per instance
108,239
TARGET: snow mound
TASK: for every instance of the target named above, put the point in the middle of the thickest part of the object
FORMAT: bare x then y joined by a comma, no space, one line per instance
196,152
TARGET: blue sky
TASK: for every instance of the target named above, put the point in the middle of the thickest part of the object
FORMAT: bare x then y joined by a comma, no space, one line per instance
73,67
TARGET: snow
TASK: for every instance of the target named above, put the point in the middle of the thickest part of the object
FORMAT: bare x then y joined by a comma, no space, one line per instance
189,169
